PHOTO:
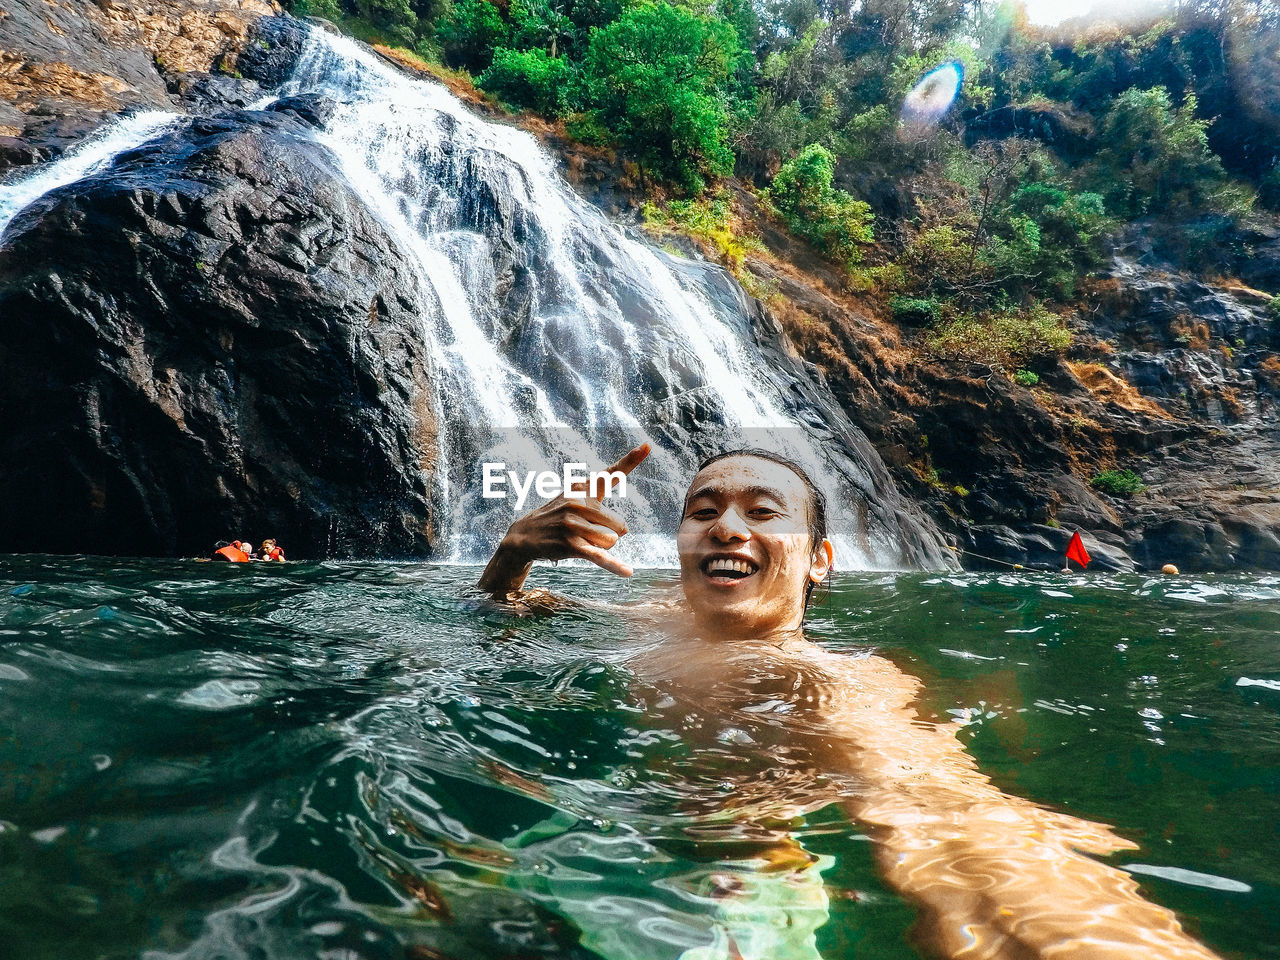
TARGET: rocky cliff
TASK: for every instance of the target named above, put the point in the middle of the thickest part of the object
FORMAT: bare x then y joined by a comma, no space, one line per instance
1173,377
64,65
212,336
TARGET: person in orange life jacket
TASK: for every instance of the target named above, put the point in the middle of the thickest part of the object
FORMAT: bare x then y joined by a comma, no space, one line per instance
271,551
233,552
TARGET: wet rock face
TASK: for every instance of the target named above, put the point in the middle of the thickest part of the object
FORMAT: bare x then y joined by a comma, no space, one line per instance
111,53
67,67
232,351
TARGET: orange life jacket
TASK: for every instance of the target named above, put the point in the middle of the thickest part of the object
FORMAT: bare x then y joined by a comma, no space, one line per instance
232,553
275,553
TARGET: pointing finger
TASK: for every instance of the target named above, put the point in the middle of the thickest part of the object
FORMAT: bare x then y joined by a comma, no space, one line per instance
632,459
629,461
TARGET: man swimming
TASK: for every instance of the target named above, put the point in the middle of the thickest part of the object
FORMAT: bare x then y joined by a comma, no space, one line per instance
996,877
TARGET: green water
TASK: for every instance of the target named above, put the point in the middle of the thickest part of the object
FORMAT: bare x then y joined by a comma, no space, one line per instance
356,760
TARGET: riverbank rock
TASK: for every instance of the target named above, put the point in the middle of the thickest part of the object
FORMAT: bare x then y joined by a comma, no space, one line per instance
213,339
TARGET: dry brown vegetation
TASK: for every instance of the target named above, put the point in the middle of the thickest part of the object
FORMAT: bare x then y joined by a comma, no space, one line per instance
1106,387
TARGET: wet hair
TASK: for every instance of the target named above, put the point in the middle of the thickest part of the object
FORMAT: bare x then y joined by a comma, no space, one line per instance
815,504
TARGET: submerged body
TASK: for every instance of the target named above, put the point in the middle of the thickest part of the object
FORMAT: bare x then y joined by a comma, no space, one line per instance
996,877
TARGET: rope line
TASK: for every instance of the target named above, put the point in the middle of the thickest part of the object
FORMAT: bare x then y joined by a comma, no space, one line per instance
1006,563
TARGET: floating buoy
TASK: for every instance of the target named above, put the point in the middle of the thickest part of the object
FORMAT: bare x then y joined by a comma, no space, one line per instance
1170,569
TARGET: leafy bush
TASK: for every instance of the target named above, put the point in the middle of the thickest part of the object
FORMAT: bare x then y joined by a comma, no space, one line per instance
915,311
396,17
710,220
529,78
329,9
830,219
1001,336
1154,156
1027,378
940,262
657,77
1120,483
539,24
1069,229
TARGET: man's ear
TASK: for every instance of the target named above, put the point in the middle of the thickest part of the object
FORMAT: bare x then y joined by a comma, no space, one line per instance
824,556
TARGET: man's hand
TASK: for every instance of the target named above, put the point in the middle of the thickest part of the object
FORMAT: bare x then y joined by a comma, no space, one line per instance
564,527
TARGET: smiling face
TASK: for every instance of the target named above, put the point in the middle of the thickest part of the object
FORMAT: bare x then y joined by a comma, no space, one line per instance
746,552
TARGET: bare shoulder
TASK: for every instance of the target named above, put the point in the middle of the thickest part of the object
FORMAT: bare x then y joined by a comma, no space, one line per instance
859,675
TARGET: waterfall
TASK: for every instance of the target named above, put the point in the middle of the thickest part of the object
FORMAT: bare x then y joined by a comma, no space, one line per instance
618,342
555,335
95,153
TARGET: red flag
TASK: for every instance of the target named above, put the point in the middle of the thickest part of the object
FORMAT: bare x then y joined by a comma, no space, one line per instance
1076,550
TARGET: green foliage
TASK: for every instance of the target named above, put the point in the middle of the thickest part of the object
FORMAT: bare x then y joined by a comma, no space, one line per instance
470,33
830,219
709,219
800,92
529,78
1120,483
329,9
1026,378
1273,310
658,78
586,128
395,17
915,311
1154,156
939,263
1052,235
866,133
1026,232
1001,336
541,25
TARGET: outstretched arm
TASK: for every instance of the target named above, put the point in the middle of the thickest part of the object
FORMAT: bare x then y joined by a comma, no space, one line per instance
997,877
577,526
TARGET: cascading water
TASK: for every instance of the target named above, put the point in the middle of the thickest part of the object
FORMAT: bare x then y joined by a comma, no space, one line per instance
554,336
95,153
611,342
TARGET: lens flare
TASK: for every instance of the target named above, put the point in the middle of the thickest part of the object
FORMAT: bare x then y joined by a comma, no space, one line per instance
931,98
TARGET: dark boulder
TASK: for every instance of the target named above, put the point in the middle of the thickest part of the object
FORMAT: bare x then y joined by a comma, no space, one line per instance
272,51
213,339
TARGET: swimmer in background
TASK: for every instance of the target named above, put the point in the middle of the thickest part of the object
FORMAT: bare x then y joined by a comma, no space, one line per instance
996,877
271,551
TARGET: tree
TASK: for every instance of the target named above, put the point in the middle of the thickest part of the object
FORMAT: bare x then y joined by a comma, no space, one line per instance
396,17
1153,155
471,32
657,78
529,78
830,219
541,24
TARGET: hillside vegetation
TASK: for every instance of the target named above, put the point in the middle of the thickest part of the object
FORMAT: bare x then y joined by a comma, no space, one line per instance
975,225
